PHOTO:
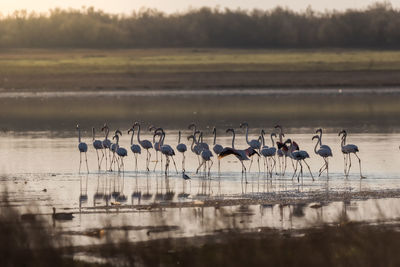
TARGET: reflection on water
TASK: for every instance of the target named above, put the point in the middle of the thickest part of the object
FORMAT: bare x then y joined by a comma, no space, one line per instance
40,170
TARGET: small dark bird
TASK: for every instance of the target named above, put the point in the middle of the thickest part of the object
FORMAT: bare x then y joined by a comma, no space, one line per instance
62,216
185,176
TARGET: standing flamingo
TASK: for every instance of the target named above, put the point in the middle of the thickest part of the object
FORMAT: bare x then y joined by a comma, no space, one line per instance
217,148
146,144
155,145
167,151
106,142
114,148
241,155
269,152
181,148
254,144
347,150
82,149
281,156
97,144
134,147
206,155
324,151
299,156
121,152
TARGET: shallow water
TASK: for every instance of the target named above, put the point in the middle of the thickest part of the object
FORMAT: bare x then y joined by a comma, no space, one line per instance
34,161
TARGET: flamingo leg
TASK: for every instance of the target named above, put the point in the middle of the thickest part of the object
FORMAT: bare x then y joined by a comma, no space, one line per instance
284,167
87,166
209,168
273,166
300,172
80,161
348,170
173,160
309,169
105,152
359,163
155,165
98,159
251,162
345,163
295,170
198,168
183,162
244,171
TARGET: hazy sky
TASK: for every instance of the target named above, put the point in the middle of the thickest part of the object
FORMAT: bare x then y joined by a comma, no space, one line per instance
126,6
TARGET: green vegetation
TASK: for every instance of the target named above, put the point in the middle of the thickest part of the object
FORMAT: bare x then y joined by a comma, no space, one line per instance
376,27
28,61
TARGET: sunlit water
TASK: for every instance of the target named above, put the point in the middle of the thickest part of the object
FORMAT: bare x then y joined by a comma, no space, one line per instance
42,170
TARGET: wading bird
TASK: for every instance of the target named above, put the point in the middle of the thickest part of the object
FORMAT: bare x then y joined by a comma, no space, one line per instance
181,148
167,151
217,148
113,149
281,156
254,144
136,150
269,152
347,150
241,155
155,146
206,155
82,149
106,142
324,151
299,156
98,145
146,144
121,152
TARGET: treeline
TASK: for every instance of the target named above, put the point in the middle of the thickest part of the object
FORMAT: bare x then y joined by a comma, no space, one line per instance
375,27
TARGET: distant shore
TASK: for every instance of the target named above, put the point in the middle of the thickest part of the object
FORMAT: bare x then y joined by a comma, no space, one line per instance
191,69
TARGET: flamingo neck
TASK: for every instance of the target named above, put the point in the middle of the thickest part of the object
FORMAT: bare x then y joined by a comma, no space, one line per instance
117,138
192,146
272,140
93,134
138,134
320,138
215,137
133,133
79,135
107,131
179,137
161,143
247,135
280,134
315,148
262,139
233,140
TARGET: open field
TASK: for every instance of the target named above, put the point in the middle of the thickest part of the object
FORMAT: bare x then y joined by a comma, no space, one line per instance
38,69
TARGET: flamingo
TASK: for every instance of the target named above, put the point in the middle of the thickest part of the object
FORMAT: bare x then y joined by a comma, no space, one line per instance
134,147
298,155
324,151
114,148
82,149
242,155
255,144
167,151
206,155
106,141
121,152
97,144
155,145
181,148
282,162
146,144
269,152
217,148
347,150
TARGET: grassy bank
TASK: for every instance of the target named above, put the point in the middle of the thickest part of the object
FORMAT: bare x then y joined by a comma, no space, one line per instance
38,69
